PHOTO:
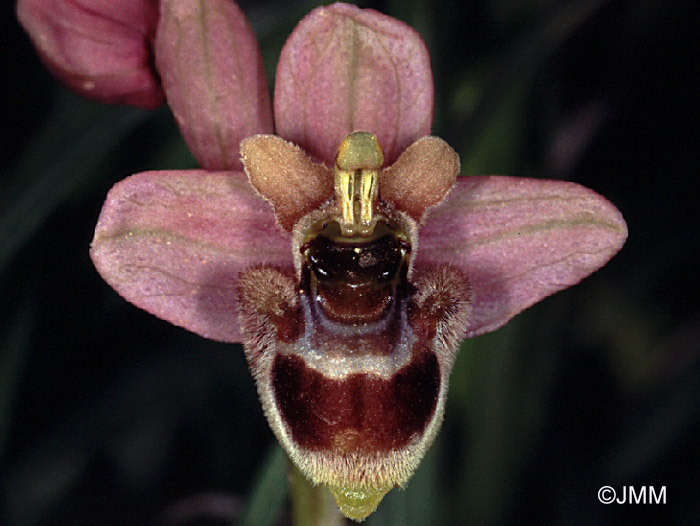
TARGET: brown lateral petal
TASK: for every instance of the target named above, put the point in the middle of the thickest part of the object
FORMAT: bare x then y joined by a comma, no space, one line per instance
99,49
345,69
213,77
285,175
174,243
519,240
421,177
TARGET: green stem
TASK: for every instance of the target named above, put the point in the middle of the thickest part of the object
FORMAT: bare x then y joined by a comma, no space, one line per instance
269,491
311,505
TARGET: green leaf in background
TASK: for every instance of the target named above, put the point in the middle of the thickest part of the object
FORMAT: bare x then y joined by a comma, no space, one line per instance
268,490
14,345
76,138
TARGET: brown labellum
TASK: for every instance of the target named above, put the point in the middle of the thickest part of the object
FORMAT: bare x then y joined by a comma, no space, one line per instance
352,354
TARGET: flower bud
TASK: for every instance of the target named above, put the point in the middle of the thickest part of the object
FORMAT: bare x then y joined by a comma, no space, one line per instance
99,49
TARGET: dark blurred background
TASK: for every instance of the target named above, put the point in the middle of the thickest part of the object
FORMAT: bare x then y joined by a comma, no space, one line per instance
111,416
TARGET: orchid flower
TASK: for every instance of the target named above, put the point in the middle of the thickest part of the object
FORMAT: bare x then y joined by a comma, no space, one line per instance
343,252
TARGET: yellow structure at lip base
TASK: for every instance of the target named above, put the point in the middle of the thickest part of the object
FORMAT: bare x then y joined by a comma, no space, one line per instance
356,174
357,504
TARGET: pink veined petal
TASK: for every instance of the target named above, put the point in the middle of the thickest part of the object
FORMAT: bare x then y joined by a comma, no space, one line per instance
213,77
519,240
174,242
98,50
345,69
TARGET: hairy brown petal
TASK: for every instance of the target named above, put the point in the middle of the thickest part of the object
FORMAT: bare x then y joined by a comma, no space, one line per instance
421,177
355,406
285,175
